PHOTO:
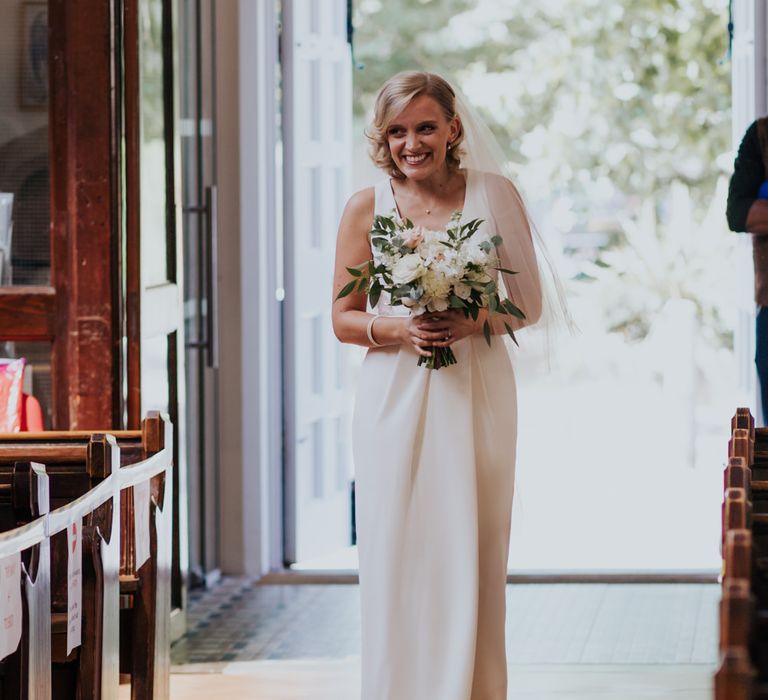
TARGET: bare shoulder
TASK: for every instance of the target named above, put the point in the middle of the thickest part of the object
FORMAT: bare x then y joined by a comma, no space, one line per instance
496,180
499,187
357,218
361,204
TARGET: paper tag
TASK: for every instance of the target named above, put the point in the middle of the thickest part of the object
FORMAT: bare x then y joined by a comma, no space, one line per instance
10,604
75,584
141,494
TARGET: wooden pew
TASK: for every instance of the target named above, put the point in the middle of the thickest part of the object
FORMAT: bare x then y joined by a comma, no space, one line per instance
743,668
31,676
80,672
77,462
27,671
745,504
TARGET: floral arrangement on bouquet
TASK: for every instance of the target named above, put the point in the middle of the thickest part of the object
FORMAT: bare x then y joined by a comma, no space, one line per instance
429,271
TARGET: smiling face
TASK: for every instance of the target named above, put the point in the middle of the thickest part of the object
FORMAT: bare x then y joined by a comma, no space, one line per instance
418,138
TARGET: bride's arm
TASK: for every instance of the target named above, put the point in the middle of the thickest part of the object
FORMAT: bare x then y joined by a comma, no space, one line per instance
350,319
516,253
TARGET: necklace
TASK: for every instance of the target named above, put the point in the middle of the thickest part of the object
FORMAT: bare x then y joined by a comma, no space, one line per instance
427,210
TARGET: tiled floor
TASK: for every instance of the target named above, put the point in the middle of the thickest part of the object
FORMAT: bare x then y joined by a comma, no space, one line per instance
564,642
240,620
244,621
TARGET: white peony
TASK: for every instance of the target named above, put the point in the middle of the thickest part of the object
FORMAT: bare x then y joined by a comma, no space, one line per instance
436,284
407,269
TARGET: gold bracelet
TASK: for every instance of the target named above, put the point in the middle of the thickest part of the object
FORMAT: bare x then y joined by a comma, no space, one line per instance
369,331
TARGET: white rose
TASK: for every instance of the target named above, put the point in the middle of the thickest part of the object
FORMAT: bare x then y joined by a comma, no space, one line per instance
407,269
475,255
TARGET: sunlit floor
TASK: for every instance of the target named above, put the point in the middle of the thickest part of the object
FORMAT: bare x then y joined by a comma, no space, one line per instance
338,680
569,641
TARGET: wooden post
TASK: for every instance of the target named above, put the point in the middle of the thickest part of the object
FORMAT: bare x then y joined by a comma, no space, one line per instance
86,273
738,554
737,511
743,419
733,680
30,491
738,475
740,445
736,611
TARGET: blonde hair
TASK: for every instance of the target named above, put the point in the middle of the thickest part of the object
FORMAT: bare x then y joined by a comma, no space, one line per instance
393,97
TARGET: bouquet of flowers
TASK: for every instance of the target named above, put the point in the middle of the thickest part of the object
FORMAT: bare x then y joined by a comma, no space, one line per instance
430,271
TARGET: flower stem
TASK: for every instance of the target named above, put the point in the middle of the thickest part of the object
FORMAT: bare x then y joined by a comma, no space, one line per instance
440,357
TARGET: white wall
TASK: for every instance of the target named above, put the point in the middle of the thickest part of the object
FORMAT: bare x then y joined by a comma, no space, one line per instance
251,420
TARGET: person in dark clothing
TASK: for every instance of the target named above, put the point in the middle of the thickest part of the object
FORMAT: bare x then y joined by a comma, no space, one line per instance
747,210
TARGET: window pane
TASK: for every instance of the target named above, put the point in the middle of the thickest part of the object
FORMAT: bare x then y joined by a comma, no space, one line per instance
155,389
36,385
25,251
154,266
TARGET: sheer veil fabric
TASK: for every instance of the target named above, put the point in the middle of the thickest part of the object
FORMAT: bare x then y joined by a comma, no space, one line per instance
434,455
482,152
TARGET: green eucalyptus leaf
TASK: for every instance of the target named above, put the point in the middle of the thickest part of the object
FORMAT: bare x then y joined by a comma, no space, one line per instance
347,289
511,333
375,293
487,332
514,310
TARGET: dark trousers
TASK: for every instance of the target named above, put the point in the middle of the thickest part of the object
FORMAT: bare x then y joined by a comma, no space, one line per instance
761,357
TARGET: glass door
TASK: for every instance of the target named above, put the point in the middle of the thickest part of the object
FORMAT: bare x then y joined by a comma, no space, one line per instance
198,120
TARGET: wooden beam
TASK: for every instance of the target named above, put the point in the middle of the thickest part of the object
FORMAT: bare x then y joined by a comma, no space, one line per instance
132,127
27,313
84,216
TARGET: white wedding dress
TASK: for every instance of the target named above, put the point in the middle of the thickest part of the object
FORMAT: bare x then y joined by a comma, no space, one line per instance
434,454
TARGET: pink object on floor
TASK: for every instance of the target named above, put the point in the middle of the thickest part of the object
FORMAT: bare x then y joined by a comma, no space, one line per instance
31,415
11,382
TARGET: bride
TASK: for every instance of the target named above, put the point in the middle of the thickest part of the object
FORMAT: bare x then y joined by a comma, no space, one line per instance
434,450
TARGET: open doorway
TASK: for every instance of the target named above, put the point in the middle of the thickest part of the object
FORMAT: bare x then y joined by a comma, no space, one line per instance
622,146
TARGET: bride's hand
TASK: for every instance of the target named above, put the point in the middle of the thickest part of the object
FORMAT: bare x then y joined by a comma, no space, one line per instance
443,328
417,338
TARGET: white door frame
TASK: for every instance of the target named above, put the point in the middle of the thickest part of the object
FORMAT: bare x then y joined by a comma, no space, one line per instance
250,333
749,70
